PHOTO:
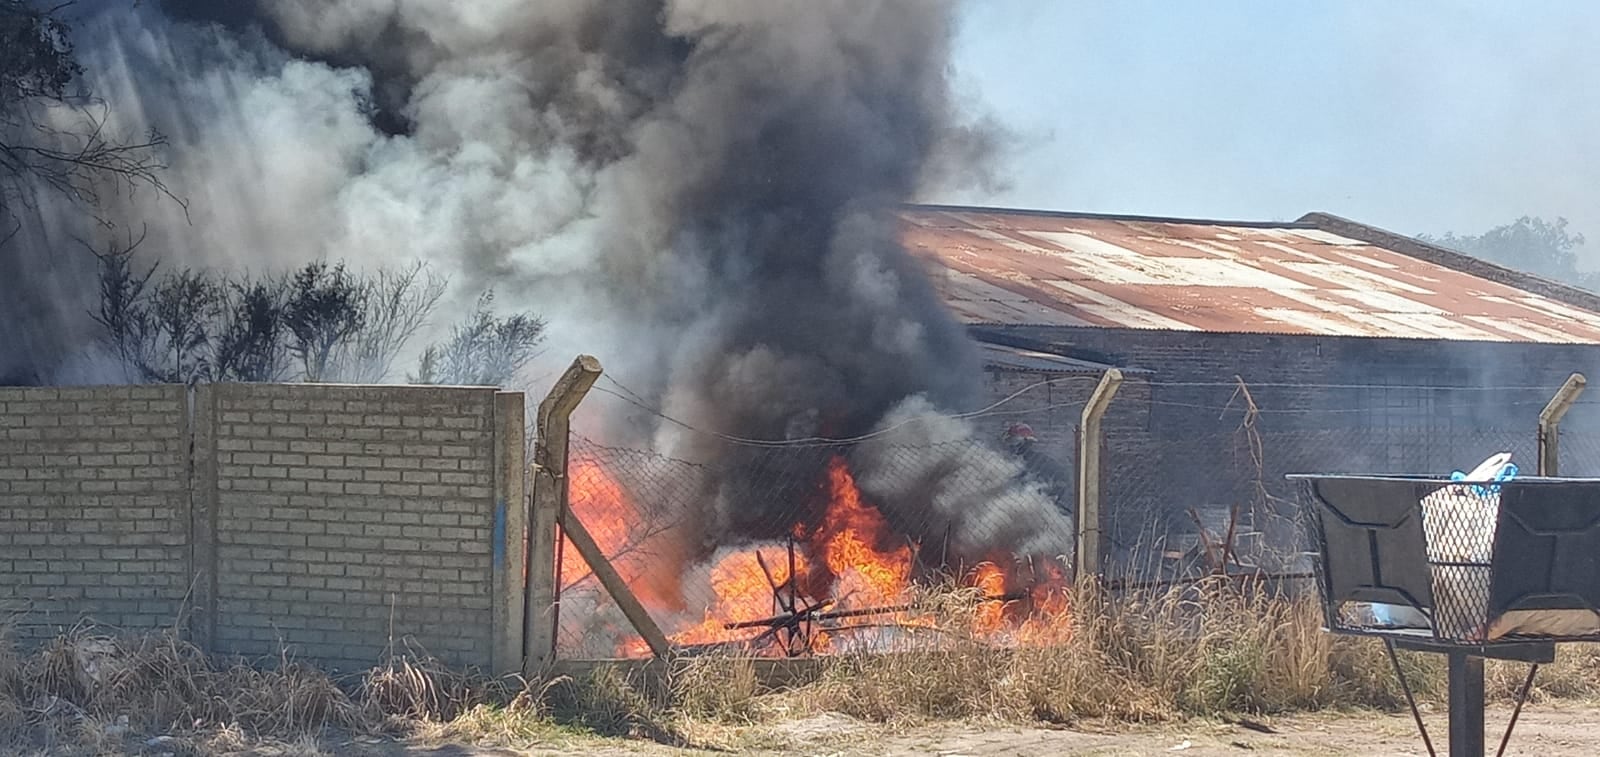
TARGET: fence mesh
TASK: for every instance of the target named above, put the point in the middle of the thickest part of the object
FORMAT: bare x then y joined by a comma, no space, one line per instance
766,533
735,544
1580,453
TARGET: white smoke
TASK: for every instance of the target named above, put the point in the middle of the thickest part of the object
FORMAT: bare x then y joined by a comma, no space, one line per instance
692,190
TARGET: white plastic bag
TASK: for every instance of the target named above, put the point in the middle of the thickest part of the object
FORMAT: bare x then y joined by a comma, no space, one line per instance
1458,523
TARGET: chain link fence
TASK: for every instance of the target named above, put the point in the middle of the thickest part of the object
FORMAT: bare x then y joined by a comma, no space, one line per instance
735,543
726,552
1580,453
1204,489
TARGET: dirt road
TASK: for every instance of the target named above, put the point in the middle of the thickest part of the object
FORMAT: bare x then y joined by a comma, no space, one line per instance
1545,730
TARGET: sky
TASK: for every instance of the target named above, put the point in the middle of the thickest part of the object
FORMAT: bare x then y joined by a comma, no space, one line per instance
1419,117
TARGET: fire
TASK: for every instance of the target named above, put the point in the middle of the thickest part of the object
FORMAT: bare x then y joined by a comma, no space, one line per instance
600,503
847,564
990,616
609,514
848,533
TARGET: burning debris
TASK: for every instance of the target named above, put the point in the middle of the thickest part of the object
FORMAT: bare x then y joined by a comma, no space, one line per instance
846,580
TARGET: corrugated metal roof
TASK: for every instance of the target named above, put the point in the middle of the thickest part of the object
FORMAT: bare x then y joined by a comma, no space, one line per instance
1026,267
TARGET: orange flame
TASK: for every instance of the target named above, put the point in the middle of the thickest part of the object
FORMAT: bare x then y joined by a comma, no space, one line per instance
990,615
603,506
851,558
848,534
605,510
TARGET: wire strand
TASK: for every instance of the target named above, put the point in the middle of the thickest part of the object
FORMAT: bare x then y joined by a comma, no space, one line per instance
818,440
631,397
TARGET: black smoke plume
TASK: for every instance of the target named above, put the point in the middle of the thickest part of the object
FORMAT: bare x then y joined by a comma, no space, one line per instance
697,191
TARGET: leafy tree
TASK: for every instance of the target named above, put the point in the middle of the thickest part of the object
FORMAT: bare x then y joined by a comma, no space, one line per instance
185,309
326,307
53,136
484,350
250,344
123,314
333,325
193,326
162,330
1531,244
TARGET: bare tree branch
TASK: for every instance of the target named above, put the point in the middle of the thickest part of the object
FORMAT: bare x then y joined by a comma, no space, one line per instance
397,304
53,140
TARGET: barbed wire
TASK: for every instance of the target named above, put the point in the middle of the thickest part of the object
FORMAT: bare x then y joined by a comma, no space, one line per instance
1294,385
631,397
1318,411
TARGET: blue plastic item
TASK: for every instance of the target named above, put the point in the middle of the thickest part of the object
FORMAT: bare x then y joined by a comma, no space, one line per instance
1506,473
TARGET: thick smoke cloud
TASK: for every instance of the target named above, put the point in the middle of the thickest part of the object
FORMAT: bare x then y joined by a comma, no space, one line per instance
692,190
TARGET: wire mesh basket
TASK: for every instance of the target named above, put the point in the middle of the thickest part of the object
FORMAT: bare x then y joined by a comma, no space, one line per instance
1458,525
1458,562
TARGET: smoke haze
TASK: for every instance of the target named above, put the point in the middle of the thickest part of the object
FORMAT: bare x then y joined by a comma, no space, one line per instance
691,190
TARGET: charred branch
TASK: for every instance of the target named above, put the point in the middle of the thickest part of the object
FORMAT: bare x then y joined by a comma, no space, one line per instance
819,613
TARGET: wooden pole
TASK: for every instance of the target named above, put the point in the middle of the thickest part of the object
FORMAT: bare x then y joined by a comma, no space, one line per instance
1090,515
548,500
1550,423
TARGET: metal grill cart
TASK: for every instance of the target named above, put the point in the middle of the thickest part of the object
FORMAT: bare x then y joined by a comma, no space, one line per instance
1470,571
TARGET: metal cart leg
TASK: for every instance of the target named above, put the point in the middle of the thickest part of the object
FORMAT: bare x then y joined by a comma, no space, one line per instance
1466,705
1465,664
1522,698
1411,699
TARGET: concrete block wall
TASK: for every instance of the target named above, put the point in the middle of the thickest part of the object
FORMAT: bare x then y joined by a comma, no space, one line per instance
348,517
325,520
94,508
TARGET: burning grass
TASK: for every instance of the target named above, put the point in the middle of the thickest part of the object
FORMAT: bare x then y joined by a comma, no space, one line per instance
1198,651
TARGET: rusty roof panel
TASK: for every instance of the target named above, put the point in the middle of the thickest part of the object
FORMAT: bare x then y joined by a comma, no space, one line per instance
1023,267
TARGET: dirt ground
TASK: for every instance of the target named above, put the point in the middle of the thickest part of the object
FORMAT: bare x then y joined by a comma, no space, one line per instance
1546,730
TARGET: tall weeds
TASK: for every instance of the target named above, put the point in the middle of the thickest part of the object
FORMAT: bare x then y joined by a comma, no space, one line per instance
1147,655
158,683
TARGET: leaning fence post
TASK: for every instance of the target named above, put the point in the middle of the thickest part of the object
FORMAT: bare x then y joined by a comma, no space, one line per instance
550,485
1090,515
1550,423
545,506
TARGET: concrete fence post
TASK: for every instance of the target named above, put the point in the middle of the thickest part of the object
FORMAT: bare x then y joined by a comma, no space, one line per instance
549,499
1091,516
1550,423
549,506
201,479
510,530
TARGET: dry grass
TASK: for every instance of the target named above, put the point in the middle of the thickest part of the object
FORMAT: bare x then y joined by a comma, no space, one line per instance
1201,651
90,691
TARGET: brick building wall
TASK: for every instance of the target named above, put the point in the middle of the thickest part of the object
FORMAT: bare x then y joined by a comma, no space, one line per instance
94,508
1311,373
1329,404
321,520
